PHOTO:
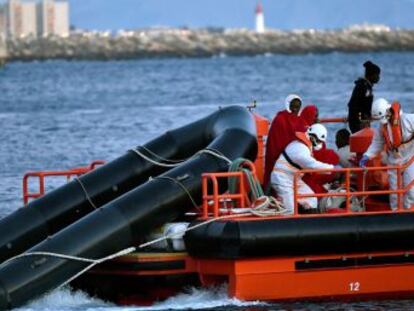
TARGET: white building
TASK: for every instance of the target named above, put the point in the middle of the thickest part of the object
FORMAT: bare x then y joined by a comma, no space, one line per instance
61,18
28,19
45,18
20,18
260,23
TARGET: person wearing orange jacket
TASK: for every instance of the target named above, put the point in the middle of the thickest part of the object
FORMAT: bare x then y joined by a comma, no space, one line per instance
396,135
295,157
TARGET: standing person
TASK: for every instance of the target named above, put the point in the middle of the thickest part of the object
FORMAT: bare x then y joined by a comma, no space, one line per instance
396,134
282,132
297,156
361,100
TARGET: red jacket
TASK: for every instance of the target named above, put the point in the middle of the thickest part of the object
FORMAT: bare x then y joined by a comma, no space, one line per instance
316,181
309,115
282,132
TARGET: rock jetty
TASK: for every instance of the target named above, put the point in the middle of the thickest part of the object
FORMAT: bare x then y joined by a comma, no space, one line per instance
3,52
205,43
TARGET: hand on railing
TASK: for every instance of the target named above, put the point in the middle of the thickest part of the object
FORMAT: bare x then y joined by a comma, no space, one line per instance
363,161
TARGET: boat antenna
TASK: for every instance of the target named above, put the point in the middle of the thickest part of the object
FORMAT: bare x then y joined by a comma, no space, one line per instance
252,105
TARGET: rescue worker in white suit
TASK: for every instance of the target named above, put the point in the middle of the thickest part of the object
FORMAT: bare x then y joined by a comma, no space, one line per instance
296,156
396,135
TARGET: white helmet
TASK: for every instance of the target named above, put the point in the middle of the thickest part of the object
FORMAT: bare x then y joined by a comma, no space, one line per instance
319,131
289,99
379,110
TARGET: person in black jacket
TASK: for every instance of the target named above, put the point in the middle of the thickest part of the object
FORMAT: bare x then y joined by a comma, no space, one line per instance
361,100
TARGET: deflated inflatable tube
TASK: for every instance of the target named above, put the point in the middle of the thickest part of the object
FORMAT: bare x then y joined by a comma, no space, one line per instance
302,236
123,222
47,215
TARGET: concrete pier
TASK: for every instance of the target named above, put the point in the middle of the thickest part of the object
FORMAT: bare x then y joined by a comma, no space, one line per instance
204,43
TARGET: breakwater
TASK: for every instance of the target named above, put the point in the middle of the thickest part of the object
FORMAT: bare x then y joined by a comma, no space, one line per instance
205,43
3,52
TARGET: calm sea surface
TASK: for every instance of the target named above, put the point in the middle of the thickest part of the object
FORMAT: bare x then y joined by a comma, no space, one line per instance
59,114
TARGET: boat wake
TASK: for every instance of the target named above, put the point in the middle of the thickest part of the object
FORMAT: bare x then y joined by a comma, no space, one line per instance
193,298
66,300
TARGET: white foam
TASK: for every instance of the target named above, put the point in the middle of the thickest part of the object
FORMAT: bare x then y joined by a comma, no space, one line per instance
196,298
65,300
86,111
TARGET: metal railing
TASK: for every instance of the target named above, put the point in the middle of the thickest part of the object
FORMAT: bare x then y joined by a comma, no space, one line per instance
213,201
41,175
348,194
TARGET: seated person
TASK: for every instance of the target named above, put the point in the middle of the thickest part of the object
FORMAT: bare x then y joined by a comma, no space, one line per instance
297,156
317,181
342,143
309,115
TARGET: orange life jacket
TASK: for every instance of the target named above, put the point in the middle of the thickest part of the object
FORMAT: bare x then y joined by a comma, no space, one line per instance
396,140
303,138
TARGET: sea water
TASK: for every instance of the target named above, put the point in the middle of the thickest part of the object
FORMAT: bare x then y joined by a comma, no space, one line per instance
58,115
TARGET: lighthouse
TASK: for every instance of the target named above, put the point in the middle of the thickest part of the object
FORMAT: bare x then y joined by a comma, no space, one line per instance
260,25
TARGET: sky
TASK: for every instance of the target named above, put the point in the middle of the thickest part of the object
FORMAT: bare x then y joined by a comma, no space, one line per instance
282,14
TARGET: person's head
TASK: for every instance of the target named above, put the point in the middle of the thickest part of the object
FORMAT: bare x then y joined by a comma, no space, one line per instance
372,72
317,134
293,103
310,114
342,138
381,110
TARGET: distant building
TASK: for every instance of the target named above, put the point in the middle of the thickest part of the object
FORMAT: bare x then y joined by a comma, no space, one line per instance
62,18
260,23
28,19
2,23
53,18
20,18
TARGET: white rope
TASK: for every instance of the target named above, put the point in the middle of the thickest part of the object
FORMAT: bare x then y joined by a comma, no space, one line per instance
269,207
139,153
86,193
182,187
160,157
212,152
94,262
262,210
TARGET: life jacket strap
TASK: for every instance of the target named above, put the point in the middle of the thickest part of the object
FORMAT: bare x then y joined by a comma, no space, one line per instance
289,160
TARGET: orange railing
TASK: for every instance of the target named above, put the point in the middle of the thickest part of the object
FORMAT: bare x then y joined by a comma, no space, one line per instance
400,191
213,201
333,120
41,175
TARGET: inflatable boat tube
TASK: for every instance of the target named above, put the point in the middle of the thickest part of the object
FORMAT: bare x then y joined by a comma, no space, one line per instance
123,222
47,215
302,236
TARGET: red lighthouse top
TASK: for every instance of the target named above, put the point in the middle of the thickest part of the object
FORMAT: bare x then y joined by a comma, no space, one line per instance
259,8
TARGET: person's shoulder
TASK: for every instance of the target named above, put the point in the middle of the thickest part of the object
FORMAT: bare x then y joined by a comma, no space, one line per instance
407,116
280,115
361,82
283,113
298,146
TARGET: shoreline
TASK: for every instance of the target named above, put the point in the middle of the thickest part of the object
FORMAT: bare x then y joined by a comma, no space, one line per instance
184,43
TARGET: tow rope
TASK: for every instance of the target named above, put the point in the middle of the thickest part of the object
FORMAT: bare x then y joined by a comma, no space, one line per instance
262,205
